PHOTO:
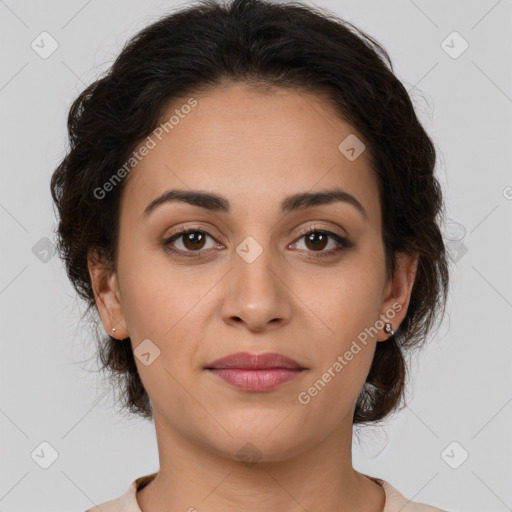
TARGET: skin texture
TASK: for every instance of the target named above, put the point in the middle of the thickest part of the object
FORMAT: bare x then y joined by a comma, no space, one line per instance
255,148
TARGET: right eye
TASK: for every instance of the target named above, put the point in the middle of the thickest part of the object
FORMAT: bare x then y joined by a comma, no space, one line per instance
191,239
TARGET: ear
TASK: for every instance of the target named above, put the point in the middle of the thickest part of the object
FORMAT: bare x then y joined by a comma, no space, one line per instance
398,292
107,294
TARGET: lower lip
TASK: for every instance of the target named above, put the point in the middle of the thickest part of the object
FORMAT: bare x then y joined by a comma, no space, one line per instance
256,380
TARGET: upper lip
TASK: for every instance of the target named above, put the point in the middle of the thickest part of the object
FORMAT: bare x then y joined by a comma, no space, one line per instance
247,361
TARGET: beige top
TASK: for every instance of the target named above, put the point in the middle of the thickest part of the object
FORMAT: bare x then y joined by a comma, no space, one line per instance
395,502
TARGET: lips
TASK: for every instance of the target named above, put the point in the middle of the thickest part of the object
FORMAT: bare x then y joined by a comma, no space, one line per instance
255,372
247,361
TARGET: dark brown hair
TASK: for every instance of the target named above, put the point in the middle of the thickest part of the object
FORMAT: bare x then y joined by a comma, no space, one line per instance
265,44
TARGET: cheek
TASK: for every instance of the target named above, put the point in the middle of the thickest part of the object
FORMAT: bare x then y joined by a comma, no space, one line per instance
166,306
331,390
349,307
347,301
158,307
157,297
344,359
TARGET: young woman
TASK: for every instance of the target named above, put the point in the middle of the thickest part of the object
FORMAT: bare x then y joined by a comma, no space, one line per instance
249,205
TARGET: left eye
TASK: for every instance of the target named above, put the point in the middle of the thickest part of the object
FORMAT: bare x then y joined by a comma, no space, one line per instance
316,240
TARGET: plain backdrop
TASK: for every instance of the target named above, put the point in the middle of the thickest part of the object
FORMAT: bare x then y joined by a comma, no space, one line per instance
450,447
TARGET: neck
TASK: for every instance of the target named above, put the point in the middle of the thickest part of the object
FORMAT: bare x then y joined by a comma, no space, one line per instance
193,477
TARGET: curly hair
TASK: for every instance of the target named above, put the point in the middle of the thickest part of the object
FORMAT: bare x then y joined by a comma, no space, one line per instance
265,44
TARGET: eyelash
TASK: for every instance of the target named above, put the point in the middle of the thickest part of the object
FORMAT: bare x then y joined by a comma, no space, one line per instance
343,242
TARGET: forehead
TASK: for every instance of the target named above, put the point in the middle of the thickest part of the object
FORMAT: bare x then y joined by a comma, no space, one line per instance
254,147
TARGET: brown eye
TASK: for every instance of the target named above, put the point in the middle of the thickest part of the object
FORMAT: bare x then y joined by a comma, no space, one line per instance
193,240
316,240
188,240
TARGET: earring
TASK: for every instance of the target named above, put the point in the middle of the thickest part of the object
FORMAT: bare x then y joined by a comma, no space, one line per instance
388,329
113,330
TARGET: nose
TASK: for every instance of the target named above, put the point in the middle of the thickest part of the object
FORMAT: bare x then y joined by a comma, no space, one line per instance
257,296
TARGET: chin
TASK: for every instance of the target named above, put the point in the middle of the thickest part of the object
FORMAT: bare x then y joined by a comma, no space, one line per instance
254,445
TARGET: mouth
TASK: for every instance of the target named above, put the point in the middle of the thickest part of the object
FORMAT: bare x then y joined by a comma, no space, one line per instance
256,372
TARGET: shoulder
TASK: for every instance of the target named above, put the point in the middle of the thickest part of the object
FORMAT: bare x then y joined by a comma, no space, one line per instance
128,501
395,501
107,506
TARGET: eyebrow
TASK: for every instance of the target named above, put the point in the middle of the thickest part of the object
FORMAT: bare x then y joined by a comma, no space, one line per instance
217,203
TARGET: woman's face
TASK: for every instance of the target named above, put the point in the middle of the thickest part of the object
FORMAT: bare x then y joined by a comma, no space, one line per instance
248,279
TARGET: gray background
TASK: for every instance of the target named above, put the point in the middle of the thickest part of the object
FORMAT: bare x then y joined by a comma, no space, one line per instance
462,382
